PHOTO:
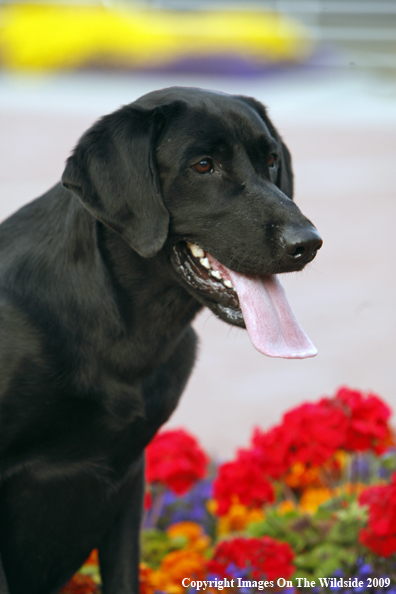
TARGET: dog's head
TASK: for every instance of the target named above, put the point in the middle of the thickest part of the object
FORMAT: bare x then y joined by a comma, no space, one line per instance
206,177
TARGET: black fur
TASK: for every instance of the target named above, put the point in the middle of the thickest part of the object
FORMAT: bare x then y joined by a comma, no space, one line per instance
96,344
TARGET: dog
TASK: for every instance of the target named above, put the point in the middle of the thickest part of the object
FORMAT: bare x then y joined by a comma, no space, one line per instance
180,200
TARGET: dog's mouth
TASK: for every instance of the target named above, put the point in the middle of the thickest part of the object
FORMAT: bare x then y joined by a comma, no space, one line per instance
257,303
211,288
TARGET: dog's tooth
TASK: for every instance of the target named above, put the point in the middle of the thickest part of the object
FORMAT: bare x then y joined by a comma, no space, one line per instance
216,274
196,251
205,263
228,284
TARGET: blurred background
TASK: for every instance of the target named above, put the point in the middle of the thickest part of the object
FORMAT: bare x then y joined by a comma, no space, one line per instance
326,69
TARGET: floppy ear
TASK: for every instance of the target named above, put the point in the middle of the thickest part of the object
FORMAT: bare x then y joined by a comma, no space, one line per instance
112,170
285,173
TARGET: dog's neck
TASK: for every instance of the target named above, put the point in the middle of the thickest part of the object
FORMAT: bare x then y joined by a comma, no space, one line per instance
149,297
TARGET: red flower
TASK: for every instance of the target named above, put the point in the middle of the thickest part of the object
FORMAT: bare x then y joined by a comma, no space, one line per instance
175,459
243,480
148,500
318,432
262,556
380,533
309,434
278,559
368,416
273,450
381,546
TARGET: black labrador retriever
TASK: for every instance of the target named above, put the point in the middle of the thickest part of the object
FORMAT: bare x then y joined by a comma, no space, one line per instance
179,200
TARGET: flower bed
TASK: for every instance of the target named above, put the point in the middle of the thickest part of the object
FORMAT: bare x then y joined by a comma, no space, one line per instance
309,506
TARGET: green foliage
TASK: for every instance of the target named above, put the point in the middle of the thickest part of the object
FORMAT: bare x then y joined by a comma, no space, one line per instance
155,544
323,542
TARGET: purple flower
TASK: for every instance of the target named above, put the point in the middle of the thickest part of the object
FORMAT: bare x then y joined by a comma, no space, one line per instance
190,507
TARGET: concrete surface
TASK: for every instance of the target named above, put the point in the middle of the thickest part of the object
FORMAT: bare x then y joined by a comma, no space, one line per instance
341,130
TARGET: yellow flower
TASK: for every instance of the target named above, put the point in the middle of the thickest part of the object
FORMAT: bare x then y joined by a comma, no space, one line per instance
341,457
212,506
49,36
313,497
175,566
194,534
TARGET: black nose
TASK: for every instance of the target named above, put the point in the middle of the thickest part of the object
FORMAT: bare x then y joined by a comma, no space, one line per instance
301,244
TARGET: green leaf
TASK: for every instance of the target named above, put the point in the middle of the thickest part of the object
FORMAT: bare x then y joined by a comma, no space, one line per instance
155,544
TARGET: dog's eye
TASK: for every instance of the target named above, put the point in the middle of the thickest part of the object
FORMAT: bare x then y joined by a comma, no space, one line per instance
271,160
204,166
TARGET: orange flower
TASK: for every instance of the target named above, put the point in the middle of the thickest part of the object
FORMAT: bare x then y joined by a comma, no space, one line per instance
93,559
175,566
196,538
312,498
349,489
301,475
80,584
238,517
145,579
286,506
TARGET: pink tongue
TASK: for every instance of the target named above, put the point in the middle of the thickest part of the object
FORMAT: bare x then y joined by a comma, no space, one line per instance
269,320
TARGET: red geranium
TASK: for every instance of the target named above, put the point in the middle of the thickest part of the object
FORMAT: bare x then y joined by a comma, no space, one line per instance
264,557
175,459
309,434
317,430
243,480
273,449
380,533
368,417
148,500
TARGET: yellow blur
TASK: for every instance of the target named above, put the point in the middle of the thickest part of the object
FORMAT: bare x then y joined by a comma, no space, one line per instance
51,37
